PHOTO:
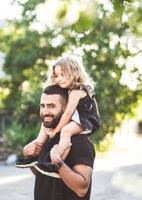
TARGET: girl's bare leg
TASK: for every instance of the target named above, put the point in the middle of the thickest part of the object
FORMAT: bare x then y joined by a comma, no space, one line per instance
65,138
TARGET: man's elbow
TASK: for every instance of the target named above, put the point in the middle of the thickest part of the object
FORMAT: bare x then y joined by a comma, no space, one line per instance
82,191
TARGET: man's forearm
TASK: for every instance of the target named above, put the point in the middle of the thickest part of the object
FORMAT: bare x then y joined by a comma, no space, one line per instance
78,179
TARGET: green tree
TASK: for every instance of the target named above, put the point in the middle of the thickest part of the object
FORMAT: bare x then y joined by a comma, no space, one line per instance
95,35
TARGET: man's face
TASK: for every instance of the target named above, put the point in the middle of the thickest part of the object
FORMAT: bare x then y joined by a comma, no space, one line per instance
51,109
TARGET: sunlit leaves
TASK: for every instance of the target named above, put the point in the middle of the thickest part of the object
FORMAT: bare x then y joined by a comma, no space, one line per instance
92,30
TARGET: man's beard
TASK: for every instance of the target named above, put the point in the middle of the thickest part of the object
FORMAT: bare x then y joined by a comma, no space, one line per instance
54,122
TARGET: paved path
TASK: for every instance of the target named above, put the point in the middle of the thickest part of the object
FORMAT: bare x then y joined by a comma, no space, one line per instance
15,184
117,176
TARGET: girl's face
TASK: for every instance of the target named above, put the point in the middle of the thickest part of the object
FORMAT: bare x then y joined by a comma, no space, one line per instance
61,79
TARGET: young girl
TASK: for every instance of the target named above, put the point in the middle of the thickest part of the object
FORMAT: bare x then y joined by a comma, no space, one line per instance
81,114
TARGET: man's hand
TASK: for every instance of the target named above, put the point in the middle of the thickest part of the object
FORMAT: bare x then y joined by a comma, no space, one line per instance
32,149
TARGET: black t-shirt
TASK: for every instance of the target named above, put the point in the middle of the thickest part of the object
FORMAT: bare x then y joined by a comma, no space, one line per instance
50,188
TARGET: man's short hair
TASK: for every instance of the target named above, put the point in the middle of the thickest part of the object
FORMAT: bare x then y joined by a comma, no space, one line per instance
55,89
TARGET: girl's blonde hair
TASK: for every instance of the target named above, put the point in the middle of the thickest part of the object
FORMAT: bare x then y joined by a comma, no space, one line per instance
75,69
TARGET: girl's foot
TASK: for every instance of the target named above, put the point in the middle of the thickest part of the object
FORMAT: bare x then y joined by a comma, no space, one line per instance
26,162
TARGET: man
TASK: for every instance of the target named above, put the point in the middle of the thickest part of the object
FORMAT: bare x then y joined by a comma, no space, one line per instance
72,178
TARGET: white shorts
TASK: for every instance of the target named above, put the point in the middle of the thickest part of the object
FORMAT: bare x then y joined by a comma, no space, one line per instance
75,117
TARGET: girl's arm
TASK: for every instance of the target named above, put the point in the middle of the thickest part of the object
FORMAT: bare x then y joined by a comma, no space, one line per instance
74,97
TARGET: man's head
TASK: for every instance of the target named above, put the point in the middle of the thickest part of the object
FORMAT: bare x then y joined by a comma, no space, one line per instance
52,105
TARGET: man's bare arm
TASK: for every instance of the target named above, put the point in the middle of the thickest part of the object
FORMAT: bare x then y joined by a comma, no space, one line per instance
77,179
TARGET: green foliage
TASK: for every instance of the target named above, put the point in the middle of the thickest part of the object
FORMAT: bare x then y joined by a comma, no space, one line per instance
105,144
25,121
29,52
15,136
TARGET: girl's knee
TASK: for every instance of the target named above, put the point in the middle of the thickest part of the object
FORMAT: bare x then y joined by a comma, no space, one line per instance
65,130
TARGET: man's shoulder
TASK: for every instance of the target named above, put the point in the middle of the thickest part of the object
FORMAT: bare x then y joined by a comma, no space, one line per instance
82,151
82,142
81,138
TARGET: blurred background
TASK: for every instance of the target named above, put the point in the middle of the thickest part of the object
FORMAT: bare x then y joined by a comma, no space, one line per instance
107,35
